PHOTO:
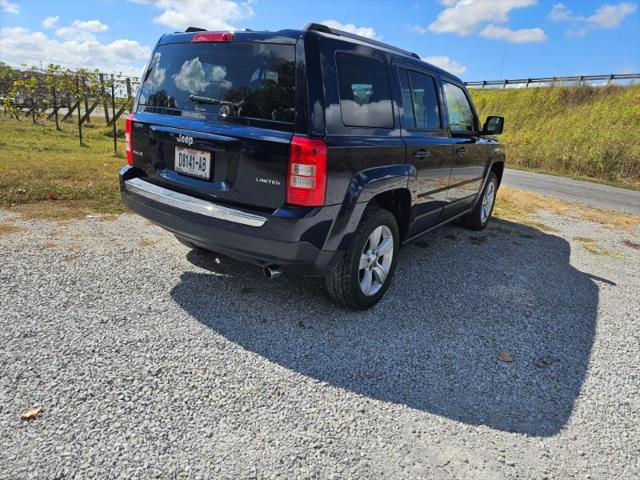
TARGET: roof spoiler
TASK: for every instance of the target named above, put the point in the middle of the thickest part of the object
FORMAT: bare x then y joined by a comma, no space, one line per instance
318,27
195,29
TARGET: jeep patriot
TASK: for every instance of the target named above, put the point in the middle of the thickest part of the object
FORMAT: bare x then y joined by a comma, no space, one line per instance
312,152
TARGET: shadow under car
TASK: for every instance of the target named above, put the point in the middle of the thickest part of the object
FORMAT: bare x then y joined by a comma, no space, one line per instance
432,343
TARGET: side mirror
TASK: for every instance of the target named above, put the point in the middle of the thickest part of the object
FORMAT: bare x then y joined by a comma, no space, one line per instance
493,126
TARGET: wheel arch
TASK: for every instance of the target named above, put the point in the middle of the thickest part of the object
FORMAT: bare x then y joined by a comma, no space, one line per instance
387,187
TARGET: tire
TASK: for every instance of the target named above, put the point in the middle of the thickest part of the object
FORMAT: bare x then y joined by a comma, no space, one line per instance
344,281
479,217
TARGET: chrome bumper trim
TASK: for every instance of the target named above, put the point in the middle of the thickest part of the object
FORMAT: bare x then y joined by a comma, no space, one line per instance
192,204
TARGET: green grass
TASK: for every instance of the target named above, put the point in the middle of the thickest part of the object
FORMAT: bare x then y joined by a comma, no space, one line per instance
40,164
581,132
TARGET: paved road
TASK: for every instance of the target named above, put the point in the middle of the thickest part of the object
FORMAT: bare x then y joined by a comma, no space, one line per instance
592,194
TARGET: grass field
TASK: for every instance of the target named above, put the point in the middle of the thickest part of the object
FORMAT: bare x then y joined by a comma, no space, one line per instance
48,170
583,132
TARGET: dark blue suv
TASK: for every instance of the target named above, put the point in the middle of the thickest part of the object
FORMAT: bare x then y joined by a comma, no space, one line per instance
313,151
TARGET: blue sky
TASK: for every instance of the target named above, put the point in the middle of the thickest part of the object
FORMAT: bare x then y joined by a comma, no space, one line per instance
476,39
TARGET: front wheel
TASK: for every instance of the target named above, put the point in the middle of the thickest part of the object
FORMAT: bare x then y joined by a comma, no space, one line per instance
364,273
479,217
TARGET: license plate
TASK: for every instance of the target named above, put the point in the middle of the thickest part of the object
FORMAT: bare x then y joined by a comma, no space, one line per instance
193,162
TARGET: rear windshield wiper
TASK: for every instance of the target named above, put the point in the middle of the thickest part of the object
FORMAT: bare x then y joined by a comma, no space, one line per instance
214,101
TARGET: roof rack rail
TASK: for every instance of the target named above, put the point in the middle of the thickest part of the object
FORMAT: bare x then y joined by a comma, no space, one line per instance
318,27
195,29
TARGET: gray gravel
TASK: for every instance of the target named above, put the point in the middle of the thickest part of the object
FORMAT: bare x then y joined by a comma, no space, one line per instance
150,360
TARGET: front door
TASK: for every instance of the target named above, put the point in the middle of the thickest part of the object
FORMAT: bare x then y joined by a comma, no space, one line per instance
470,153
428,147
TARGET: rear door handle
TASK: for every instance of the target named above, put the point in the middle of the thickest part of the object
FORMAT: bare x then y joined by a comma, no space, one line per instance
461,151
422,153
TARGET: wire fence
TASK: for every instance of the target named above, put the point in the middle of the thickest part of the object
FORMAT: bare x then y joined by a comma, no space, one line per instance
557,81
65,96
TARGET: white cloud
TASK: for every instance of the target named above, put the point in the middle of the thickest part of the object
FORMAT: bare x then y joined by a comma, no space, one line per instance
560,13
21,46
418,29
82,30
50,22
605,17
211,14
368,32
447,64
523,35
465,17
610,16
9,7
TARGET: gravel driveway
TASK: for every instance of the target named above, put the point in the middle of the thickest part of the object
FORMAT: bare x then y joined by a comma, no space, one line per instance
151,360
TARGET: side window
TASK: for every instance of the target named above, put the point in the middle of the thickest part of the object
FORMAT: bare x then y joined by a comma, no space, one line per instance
425,101
365,98
461,119
408,119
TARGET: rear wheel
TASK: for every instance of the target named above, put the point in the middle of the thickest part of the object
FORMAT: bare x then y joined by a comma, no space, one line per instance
364,273
479,217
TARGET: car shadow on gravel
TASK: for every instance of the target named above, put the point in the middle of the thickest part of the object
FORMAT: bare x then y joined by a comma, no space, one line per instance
458,299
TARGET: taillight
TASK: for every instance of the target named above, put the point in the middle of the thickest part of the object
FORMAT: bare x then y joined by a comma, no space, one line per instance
212,37
128,128
307,175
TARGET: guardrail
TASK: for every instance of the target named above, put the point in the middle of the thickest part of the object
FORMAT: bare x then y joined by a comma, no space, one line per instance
577,79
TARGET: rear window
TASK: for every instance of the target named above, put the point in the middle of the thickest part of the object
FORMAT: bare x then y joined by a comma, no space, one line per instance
233,81
365,99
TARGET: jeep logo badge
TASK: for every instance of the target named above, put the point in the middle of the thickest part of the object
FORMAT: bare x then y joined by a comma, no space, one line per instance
184,139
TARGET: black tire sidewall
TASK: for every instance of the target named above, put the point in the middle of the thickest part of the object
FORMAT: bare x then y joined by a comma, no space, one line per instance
378,218
492,179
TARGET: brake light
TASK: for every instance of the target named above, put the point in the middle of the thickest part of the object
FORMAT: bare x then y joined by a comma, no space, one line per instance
128,128
307,175
212,37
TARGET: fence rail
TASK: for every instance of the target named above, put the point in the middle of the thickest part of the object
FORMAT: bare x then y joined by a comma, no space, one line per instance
577,80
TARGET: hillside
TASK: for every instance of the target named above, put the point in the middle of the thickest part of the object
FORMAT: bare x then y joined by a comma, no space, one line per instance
574,131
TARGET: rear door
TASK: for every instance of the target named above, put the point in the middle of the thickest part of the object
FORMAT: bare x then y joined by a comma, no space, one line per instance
470,155
428,147
215,120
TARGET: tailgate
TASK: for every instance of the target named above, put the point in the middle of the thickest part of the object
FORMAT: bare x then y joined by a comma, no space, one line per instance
228,163
215,120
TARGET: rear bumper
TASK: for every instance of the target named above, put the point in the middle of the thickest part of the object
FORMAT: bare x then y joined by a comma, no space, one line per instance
291,238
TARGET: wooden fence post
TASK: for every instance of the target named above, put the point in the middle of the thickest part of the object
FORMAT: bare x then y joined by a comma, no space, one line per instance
113,115
79,113
55,104
105,105
86,99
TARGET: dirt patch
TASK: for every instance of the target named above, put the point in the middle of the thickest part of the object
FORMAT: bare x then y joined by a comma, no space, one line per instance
478,240
145,242
591,246
523,207
59,211
9,228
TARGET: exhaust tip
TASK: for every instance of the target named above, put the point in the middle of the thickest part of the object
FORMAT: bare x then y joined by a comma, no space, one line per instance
272,272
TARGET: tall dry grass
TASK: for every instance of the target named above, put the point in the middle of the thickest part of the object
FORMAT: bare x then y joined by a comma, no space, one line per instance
575,131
